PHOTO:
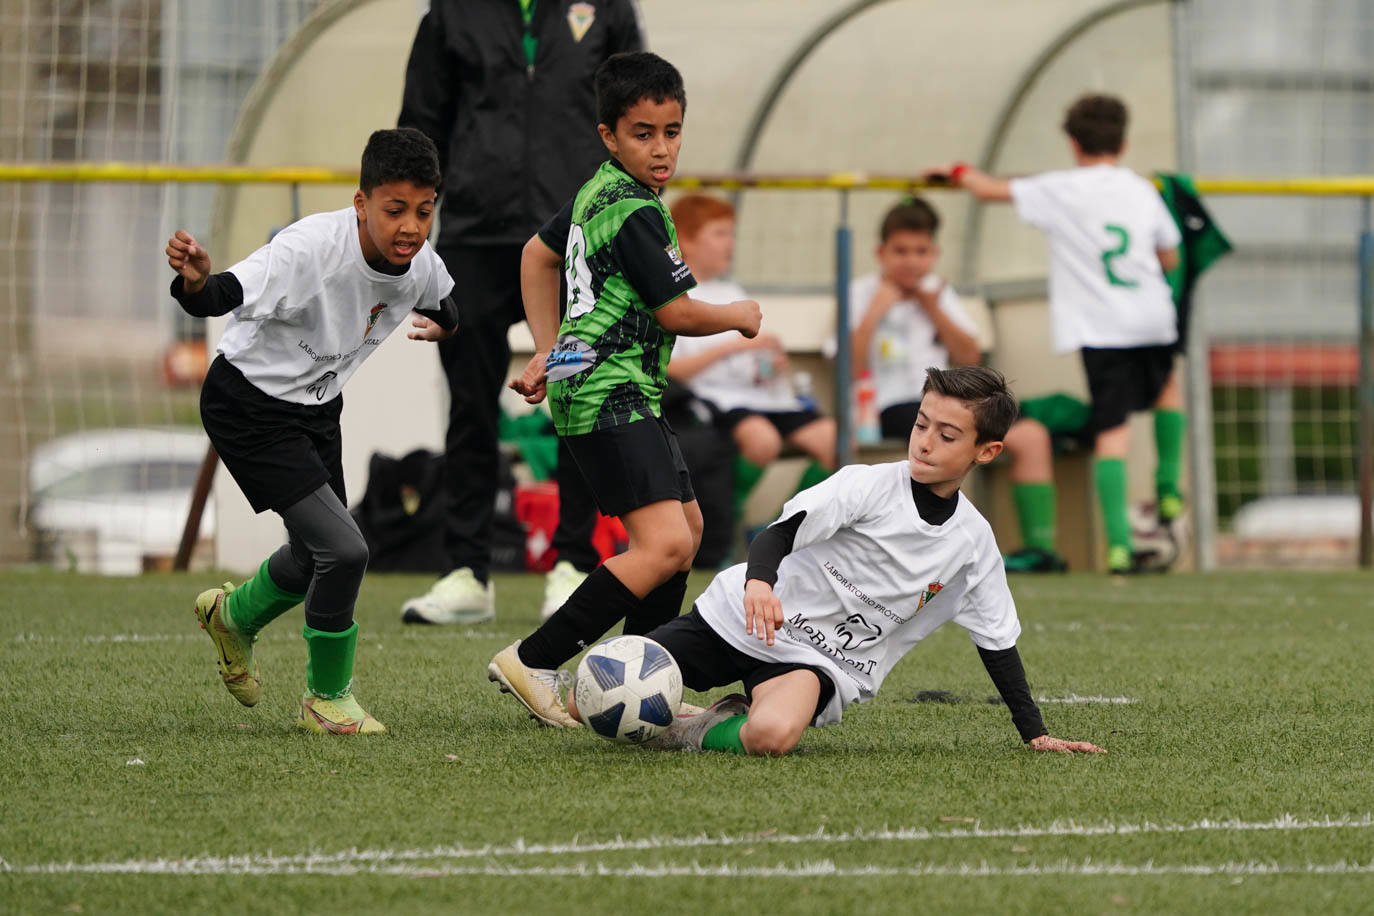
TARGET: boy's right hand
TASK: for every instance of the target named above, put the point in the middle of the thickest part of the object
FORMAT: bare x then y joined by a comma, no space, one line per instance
187,258
533,380
762,610
750,317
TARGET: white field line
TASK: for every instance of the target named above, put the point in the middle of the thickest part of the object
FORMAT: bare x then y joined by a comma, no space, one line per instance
320,862
196,636
1074,699
821,868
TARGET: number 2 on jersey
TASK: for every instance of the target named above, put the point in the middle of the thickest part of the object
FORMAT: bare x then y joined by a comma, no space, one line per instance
579,275
1123,240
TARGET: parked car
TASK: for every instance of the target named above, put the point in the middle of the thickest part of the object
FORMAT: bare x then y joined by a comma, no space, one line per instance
115,501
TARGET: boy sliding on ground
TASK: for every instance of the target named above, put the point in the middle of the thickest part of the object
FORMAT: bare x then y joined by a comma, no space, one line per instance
305,311
604,371
1111,241
860,569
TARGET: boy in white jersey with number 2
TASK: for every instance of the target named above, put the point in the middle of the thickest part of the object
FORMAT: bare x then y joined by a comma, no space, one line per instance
857,571
305,311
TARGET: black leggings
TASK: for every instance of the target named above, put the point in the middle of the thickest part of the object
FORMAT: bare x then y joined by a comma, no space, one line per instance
324,558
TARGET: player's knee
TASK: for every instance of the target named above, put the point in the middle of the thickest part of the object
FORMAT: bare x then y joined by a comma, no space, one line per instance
759,444
1027,435
769,736
351,554
678,549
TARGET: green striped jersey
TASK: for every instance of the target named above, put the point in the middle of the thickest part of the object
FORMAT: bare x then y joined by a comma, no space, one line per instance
621,262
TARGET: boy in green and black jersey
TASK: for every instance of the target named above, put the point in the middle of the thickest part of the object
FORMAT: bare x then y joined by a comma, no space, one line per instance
604,370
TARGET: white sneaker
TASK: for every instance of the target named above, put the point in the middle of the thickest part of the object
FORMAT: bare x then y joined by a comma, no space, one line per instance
559,585
456,598
687,731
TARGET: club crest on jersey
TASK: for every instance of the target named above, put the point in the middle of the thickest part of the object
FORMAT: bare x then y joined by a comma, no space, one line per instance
931,591
673,255
372,317
580,19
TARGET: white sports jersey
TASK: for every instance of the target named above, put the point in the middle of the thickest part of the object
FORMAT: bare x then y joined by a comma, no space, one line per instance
867,579
313,310
1105,224
745,379
904,344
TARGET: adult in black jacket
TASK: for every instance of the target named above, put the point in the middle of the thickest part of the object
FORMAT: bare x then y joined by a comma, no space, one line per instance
504,89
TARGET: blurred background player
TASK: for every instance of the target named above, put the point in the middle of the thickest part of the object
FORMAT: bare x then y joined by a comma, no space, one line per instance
1111,240
604,370
746,382
904,317
504,89
305,311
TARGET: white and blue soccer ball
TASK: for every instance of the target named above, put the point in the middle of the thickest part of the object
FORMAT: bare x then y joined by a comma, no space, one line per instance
628,689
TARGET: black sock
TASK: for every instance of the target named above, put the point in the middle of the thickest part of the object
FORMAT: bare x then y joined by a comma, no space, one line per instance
659,606
599,602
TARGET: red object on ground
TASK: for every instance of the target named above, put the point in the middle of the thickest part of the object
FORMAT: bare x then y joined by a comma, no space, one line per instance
536,506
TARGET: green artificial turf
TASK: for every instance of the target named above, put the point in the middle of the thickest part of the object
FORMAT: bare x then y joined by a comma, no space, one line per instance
1240,776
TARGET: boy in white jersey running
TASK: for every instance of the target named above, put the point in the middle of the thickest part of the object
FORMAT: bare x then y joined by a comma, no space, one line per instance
305,311
1111,242
858,570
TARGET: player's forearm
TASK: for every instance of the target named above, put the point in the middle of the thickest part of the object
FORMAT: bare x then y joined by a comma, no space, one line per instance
1009,677
962,346
445,314
539,272
982,185
694,318
220,295
767,551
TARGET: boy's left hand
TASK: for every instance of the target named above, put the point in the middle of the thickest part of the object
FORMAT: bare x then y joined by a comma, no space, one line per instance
762,610
533,381
428,330
1049,743
928,295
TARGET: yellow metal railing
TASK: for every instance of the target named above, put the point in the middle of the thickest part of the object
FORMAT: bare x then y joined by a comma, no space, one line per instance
1341,186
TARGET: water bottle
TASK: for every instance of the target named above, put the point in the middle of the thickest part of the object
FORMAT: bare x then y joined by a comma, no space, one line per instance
866,424
801,385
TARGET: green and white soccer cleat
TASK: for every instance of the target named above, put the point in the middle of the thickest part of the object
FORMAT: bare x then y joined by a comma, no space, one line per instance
687,731
236,666
559,584
457,598
339,716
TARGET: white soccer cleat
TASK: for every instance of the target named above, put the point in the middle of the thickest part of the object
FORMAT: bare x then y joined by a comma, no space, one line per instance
559,585
456,598
686,732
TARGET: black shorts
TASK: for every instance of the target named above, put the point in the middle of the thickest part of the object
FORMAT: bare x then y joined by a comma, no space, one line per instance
1123,381
278,452
630,466
786,422
708,661
897,420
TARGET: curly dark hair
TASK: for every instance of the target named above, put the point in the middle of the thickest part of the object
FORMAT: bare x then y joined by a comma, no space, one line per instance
400,154
911,215
1098,124
625,78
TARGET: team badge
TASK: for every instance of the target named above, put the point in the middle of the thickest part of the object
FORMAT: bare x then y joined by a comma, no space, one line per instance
580,19
673,255
372,317
931,591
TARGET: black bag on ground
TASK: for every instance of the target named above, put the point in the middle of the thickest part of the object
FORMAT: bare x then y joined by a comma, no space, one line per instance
401,514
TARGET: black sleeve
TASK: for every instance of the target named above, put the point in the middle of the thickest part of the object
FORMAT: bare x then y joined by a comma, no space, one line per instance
221,294
445,316
625,33
772,544
554,233
429,100
1008,675
649,260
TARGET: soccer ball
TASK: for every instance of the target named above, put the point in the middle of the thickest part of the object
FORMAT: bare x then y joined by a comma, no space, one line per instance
628,689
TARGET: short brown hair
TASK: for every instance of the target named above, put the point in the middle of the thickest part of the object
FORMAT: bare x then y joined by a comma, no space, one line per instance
1097,123
911,215
692,211
984,391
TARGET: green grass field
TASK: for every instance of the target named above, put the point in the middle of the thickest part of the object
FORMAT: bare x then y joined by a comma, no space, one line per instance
1240,776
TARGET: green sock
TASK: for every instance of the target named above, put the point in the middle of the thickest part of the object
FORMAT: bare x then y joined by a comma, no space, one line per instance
1109,474
1035,511
1169,452
258,602
724,736
329,670
815,472
747,475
